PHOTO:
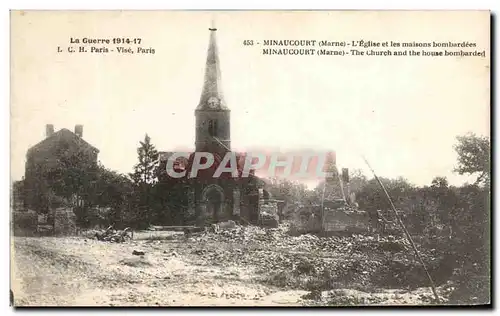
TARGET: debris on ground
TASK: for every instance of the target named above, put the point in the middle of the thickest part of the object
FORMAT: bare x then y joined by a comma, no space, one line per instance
227,225
111,235
135,262
358,269
310,262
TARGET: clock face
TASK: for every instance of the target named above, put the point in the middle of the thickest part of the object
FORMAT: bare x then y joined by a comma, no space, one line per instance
213,102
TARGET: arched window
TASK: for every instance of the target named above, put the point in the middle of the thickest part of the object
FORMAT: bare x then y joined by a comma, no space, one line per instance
212,128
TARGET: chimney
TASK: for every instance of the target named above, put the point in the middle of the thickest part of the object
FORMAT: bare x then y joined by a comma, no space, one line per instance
49,130
79,130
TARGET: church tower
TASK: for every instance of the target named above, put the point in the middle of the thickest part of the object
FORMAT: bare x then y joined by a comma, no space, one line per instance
212,114
214,199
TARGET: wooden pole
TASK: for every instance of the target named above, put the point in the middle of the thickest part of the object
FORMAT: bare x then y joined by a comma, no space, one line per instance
408,236
323,209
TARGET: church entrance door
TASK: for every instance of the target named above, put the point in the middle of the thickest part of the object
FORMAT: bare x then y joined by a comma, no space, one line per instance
213,196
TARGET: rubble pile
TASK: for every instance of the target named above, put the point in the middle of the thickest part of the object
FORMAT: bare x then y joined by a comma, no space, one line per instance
111,235
349,297
308,261
278,238
238,234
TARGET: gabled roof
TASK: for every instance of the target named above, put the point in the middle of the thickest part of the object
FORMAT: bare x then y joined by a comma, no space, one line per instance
62,133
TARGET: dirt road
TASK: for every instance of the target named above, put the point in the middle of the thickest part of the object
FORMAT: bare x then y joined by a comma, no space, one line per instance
212,270
85,272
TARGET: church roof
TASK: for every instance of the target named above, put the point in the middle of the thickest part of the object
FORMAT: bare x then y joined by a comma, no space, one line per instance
212,87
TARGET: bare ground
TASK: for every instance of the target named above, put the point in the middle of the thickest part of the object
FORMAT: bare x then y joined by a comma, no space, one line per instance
77,271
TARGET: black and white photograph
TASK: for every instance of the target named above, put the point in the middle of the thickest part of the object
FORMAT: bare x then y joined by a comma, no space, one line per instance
250,158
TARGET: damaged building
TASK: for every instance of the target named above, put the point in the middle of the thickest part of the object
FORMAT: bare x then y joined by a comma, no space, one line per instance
209,199
226,197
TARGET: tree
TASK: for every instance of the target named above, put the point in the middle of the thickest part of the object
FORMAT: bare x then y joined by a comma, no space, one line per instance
114,191
172,202
357,181
146,170
471,222
472,246
287,190
474,157
144,177
372,197
446,199
72,178
439,183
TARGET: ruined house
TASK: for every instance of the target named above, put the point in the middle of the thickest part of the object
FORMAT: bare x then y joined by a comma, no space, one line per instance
45,156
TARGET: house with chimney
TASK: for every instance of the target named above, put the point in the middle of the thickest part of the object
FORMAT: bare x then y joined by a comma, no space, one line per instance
45,156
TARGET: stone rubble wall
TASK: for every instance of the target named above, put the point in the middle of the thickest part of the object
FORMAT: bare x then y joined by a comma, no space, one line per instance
307,219
64,222
342,220
269,213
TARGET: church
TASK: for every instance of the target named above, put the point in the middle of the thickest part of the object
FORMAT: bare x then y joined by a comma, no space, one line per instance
210,199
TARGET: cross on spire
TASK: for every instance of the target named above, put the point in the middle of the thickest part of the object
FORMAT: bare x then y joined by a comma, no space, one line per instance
212,27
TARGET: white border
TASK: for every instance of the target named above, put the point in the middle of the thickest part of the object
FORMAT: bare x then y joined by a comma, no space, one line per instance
179,5
255,4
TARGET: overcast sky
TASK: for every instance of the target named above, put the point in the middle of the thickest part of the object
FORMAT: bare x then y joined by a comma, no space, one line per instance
403,113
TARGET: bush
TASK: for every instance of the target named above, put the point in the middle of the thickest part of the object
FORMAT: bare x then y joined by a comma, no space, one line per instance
24,223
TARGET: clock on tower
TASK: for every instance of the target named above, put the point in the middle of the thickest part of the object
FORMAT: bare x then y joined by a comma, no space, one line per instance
213,122
213,102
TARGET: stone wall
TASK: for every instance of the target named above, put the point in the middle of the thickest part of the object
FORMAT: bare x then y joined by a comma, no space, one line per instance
307,219
338,220
249,207
64,222
269,208
269,213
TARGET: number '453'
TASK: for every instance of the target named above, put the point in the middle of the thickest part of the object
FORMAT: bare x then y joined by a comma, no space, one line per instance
248,42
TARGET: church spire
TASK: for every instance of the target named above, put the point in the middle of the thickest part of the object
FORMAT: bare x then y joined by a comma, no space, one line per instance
211,95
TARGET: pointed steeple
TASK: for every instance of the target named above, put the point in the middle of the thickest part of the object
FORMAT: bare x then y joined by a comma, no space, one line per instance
211,95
